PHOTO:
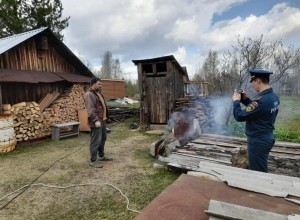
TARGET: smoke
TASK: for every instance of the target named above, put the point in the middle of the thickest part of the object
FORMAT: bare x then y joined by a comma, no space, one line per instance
221,114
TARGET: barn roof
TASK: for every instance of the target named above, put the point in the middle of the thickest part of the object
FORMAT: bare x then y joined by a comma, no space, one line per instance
14,40
28,76
162,59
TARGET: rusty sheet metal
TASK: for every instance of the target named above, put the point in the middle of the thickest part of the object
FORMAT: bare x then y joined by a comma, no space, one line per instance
26,76
74,77
188,198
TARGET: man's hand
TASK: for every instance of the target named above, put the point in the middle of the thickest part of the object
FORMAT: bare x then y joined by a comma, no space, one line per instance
244,94
236,96
98,124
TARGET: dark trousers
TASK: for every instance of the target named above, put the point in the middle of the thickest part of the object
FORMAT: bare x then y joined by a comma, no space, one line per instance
97,141
258,152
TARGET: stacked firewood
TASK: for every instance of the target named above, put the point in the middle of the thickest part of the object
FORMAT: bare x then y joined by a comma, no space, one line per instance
28,121
65,108
199,108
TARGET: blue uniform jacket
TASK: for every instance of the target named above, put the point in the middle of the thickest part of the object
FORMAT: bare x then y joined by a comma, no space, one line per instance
259,114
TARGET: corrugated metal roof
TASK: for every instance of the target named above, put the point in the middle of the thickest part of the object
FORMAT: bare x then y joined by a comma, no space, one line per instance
26,76
11,41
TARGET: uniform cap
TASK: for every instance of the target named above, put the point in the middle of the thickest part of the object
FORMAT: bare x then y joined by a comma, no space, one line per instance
259,73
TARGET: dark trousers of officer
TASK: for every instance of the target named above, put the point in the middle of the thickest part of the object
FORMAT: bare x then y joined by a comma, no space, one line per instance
258,152
97,141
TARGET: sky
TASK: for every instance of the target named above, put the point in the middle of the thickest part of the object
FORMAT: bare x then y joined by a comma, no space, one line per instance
187,29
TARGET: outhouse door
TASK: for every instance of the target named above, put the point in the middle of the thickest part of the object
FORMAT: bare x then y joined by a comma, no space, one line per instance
157,100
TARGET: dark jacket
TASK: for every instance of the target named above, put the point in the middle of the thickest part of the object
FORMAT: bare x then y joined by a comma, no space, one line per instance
260,114
94,107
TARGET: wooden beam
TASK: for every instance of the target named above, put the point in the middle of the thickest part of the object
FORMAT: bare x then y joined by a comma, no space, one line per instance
0,99
225,210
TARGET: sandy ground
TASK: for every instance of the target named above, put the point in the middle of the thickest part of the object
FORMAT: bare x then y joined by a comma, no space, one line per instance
63,163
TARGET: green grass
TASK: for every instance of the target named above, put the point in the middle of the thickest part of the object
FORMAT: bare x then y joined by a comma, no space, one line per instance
141,183
287,126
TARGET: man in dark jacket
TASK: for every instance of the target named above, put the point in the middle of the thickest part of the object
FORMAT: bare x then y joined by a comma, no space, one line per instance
260,116
97,116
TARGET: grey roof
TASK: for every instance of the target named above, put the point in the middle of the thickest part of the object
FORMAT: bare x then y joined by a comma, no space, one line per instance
11,41
162,59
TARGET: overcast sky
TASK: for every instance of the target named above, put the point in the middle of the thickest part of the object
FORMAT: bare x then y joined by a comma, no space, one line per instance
187,29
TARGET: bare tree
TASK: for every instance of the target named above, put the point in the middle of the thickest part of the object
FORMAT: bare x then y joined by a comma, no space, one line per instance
285,60
116,69
248,54
106,69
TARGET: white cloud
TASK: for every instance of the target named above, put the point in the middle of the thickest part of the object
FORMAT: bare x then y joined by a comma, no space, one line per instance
134,29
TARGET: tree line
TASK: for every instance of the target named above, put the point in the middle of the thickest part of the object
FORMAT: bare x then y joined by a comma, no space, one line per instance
228,71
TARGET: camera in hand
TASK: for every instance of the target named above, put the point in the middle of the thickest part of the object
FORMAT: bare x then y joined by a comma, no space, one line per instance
240,91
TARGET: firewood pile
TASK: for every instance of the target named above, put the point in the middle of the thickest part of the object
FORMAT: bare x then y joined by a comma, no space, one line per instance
28,121
64,109
200,108
120,113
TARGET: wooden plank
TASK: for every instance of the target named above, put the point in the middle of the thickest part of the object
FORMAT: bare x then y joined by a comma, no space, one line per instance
206,158
231,211
66,124
293,200
0,99
274,176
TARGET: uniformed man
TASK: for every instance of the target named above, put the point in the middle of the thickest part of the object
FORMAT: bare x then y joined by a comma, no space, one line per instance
260,116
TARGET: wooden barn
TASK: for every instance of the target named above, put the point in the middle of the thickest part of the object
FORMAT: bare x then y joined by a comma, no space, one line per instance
35,63
161,81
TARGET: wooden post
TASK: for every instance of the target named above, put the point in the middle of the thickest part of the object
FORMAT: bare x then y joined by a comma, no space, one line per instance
0,99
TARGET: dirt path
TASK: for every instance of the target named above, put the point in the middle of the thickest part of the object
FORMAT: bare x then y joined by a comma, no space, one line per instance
65,162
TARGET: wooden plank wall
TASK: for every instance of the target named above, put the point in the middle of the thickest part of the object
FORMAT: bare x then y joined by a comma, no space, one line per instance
158,95
13,93
157,100
113,89
143,96
26,56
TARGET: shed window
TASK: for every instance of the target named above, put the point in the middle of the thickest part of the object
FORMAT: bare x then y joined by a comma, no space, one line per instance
161,67
147,68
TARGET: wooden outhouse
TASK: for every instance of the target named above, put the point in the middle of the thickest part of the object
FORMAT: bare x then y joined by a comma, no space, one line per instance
161,82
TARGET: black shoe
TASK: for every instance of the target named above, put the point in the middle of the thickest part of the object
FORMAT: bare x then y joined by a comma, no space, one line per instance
96,164
104,158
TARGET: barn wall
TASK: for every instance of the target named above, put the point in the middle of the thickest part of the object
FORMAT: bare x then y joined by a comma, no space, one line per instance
13,93
26,56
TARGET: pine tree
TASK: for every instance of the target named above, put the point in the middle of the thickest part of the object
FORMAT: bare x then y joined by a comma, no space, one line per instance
13,18
17,16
